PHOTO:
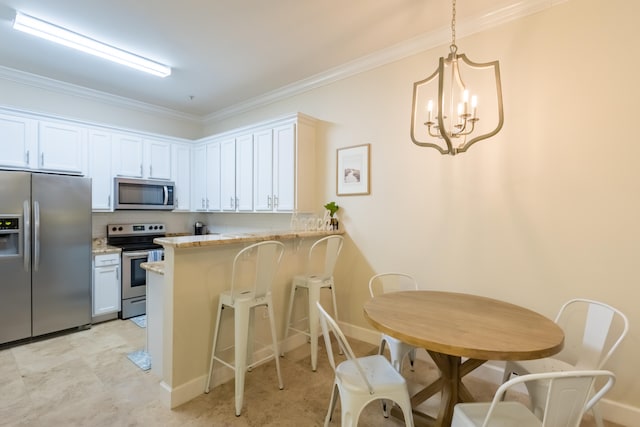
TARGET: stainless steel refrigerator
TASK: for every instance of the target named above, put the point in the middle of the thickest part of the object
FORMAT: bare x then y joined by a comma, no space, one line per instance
45,254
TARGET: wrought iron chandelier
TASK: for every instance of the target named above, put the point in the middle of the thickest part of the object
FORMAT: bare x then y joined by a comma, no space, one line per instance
459,117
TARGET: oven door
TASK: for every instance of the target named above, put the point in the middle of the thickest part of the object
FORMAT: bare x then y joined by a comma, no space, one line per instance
134,277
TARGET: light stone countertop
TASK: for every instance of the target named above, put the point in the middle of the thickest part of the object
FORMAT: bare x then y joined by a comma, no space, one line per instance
99,247
154,266
207,240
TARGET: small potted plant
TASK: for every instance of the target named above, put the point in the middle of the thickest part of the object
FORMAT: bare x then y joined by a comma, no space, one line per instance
332,208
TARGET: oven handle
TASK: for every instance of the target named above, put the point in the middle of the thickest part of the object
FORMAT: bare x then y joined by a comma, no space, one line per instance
135,254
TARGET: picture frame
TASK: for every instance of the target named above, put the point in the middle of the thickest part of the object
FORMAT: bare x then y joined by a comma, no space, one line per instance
353,170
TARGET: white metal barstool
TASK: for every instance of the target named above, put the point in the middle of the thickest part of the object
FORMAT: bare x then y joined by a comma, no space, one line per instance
313,282
260,260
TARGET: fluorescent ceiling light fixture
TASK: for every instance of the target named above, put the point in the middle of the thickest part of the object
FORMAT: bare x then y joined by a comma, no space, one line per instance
54,33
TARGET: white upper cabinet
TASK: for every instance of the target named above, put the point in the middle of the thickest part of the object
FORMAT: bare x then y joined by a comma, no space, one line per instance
212,177
236,174
157,159
127,155
62,147
228,174
181,175
244,173
285,167
199,181
206,177
100,170
275,169
263,177
18,142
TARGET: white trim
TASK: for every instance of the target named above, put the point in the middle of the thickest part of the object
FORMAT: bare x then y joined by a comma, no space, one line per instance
64,88
394,53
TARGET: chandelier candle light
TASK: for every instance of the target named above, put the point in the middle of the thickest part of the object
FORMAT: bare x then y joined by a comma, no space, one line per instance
454,116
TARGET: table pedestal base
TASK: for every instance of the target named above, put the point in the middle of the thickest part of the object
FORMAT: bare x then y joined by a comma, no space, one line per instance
452,369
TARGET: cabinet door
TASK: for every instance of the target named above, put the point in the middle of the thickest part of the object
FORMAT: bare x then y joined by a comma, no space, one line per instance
180,174
157,159
244,173
61,147
213,177
263,178
106,290
228,174
127,155
100,170
199,179
18,142
284,176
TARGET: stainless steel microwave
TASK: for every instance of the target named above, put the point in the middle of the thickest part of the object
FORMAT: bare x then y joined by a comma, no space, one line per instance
144,194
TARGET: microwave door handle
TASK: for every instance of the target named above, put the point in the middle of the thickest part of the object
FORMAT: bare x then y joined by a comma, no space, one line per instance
166,194
26,230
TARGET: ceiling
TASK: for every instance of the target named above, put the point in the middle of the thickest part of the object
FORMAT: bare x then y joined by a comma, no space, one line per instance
224,53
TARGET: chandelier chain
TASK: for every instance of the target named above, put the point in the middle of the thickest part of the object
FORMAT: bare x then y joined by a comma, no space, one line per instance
453,23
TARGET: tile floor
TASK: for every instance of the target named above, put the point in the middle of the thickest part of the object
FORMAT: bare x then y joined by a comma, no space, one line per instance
85,379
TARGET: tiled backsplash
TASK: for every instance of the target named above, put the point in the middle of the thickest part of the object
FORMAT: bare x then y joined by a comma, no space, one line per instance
182,222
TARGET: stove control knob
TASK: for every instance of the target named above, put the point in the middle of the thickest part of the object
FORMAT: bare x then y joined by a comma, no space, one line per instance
119,228
161,227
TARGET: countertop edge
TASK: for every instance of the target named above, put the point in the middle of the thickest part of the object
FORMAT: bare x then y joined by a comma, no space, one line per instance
207,240
153,266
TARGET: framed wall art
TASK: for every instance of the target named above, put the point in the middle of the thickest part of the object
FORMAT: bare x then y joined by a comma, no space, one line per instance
353,170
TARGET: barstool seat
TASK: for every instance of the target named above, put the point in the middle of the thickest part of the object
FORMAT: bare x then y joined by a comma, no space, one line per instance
261,260
328,248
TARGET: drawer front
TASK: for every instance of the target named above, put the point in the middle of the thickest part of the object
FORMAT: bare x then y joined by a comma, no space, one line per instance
106,259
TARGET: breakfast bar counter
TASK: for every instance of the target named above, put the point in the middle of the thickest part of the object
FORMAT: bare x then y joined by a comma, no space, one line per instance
196,270
217,239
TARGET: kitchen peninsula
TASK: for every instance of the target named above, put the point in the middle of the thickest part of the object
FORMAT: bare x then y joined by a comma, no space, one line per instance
196,269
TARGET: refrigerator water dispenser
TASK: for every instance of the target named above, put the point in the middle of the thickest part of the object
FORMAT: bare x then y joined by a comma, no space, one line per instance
9,236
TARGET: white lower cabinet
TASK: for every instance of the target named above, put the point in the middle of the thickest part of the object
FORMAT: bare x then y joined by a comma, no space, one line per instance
106,284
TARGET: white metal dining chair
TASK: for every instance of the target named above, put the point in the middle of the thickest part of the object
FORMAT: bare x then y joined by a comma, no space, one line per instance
320,263
566,401
602,328
394,282
360,380
254,267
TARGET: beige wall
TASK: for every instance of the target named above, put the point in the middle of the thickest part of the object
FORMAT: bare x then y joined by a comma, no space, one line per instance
545,211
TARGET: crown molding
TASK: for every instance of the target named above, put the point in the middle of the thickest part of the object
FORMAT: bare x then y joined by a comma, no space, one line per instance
394,53
424,42
45,83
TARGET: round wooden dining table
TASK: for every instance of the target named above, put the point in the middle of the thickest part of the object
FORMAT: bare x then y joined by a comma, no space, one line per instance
452,326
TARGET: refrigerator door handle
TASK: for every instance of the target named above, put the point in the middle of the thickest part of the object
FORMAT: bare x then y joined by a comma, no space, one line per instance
36,235
26,232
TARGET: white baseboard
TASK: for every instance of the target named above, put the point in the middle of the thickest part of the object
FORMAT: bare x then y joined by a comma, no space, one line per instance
619,413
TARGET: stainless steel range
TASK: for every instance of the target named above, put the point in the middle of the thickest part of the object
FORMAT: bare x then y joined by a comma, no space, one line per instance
136,242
